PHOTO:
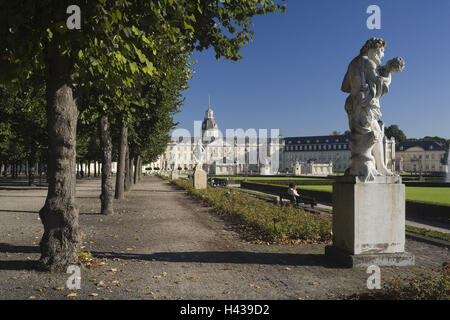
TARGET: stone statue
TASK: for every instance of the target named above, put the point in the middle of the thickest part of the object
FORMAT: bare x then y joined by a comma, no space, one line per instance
367,81
199,154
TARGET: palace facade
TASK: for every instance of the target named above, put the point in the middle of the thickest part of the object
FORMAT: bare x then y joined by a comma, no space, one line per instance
325,150
222,156
421,156
315,155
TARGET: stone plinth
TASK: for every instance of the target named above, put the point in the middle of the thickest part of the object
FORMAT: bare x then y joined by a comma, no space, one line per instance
369,222
200,179
174,175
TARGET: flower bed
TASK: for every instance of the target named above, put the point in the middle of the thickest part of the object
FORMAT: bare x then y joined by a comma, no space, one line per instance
290,224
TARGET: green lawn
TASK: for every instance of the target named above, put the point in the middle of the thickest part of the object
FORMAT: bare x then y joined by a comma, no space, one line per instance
426,194
268,178
421,194
327,188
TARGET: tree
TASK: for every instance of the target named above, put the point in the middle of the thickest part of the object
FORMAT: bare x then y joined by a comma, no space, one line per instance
35,41
394,131
22,127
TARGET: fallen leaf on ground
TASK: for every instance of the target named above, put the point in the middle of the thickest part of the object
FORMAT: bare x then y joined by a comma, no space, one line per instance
94,294
72,294
116,283
59,288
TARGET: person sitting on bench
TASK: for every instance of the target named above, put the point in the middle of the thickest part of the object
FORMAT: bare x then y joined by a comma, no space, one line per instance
293,193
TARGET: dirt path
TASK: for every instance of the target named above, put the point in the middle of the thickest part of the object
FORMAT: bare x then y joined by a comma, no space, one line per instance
161,244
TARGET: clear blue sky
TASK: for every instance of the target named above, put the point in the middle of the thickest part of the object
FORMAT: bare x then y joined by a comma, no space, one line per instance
291,74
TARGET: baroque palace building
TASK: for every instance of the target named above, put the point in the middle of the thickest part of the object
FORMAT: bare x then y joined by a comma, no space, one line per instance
316,155
321,150
223,156
421,156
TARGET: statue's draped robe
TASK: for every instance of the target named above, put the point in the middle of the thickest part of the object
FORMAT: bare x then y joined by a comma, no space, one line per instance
365,87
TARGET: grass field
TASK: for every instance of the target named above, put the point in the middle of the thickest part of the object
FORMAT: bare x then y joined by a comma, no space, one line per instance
434,195
250,179
420,194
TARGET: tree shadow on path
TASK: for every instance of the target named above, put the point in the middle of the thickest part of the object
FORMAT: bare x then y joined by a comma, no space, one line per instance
19,211
238,257
18,264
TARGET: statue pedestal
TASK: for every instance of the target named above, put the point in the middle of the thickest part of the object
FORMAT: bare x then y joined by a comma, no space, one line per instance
174,175
369,222
200,179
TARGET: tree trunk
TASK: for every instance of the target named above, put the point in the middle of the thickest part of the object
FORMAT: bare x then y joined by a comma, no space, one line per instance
95,168
106,197
40,169
31,165
127,170
121,163
130,171
89,168
136,169
131,175
60,242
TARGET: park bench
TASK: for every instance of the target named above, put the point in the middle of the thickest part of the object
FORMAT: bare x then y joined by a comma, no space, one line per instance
302,199
215,182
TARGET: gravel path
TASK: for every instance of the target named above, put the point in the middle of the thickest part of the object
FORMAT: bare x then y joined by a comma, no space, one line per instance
161,244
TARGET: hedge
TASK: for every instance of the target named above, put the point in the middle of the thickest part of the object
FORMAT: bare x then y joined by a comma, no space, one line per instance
290,223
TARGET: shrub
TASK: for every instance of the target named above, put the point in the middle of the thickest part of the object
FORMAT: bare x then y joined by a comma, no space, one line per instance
290,223
430,286
429,233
